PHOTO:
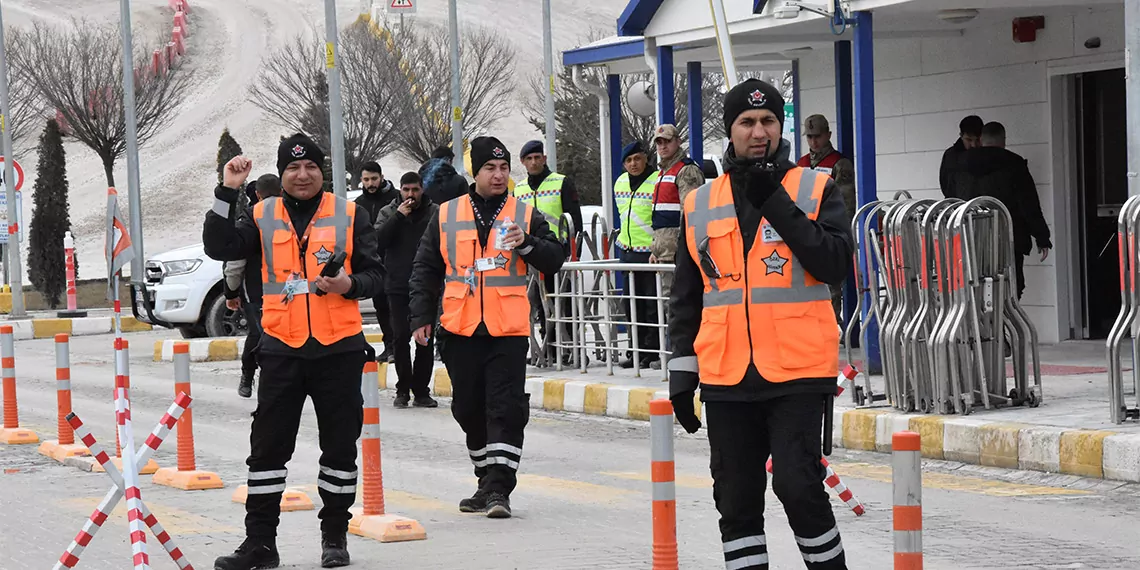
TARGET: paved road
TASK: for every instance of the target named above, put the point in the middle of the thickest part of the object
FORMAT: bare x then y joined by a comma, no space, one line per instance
583,499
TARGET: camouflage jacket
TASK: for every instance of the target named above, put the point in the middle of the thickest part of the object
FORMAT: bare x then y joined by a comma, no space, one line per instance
664,246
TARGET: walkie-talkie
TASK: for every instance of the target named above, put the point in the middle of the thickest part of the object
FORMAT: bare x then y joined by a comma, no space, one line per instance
332,267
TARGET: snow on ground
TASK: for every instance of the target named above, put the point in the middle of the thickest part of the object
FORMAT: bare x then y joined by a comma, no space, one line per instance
228,42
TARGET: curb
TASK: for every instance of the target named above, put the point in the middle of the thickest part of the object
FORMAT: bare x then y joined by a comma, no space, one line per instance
216,349
84,326
1087,453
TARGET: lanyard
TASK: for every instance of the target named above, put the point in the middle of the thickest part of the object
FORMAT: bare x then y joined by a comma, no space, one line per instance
478,216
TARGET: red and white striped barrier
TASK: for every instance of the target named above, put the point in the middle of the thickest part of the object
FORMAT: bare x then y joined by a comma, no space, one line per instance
831,478
69,258
70,557
123,366
131,477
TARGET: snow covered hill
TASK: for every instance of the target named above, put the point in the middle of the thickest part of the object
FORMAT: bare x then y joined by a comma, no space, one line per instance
230,38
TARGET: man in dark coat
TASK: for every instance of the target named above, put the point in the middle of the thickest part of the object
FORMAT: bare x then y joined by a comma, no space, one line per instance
992,170
378,193
969,136
440,180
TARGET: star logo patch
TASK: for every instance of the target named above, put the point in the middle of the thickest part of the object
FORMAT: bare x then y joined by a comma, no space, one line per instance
323,255
757,98
298,151
498,152
774,263
501,261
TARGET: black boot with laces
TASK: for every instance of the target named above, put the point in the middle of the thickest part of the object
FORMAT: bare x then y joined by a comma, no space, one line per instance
253,554
334,550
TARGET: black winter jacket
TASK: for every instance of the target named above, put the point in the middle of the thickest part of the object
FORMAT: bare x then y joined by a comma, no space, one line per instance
229,238
373,202
441,182
398,238
823,246
1003,174
541,250
951,166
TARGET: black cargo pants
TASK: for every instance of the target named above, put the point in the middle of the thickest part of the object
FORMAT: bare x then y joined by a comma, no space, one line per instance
333,382
742,435
489,400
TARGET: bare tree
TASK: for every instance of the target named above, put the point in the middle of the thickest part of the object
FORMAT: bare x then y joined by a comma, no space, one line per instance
487,73
27,107
78,71
293,88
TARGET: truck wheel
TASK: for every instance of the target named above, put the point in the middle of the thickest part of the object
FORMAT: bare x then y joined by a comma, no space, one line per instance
221,321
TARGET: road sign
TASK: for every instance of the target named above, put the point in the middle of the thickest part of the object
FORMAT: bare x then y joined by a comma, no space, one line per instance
4,214
19,173
402,6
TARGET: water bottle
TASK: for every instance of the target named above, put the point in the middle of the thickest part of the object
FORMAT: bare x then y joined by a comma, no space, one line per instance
501,237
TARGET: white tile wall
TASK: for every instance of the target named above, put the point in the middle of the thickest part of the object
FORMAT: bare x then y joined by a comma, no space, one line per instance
925,86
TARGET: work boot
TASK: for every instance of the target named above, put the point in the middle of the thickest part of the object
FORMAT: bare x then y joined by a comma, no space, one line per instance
401,400
498,506
245,387
334,550
251,555
477,503
425,402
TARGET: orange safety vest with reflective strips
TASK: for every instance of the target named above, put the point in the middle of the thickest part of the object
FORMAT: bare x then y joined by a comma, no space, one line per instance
765,309
497,296
327,318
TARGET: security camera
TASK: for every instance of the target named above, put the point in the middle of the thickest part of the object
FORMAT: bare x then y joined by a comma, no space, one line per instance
791,9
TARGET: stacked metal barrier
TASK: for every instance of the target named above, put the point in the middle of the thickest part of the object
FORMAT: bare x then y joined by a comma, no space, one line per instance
1128,320
938,278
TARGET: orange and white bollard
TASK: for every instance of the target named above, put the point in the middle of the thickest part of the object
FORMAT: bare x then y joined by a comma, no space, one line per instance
906,477
123,377
64,445
12,433
180,22
72,311
186,476
663,474
176,37
370,520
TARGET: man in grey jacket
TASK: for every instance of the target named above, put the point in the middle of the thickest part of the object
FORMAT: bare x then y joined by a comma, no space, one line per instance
241,273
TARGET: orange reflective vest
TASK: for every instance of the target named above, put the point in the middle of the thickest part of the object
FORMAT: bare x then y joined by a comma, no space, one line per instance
327,318
495,296
765,308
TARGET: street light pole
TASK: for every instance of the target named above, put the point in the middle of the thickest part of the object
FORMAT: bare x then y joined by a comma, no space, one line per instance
548,60
12,264
336,113
1132,91
456,95
134,198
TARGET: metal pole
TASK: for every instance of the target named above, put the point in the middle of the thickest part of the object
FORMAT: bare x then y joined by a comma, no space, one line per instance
548,62
1132,86
12,264
134,198
336,114
724,42
456,103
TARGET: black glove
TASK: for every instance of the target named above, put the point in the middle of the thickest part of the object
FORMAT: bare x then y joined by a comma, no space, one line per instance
763,181
684,409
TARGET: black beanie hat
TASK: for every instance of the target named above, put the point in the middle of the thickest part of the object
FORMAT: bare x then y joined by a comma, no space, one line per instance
748,95
298,147
486,149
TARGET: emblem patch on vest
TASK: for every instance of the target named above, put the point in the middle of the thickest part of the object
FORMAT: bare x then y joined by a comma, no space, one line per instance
323,255
501,261
774,263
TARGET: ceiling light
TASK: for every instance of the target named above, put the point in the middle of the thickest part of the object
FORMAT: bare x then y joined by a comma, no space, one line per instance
957,16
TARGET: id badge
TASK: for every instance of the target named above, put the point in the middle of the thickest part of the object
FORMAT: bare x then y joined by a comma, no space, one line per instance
484,264
768,234
297,285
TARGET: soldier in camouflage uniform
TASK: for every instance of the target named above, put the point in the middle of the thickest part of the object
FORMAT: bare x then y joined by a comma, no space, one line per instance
678,176
823,157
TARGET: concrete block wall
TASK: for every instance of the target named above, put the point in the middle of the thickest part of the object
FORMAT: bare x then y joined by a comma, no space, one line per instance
924,86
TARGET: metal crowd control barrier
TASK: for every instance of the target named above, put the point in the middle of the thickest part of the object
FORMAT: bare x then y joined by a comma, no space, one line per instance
1128,320
941,279
588,314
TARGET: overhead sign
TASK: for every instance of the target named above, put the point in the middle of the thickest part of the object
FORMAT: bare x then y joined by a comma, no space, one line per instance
403,6
19,173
